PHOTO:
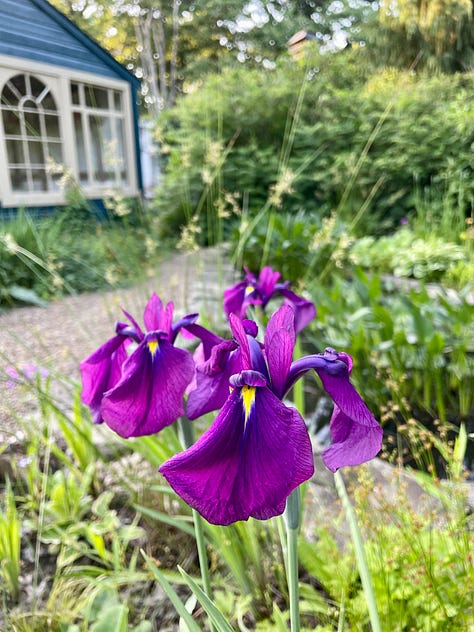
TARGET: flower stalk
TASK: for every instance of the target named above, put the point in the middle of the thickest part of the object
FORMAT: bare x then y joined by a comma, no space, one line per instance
293,521
186,432
361,558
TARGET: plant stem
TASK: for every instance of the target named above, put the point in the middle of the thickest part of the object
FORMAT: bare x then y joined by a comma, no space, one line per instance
186,430
292,519
360,554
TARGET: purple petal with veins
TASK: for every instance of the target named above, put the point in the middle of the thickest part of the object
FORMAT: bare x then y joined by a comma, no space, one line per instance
248,462
149,395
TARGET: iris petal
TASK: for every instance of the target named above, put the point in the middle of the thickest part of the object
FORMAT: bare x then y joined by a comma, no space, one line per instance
100,372
247,463
152,313
156,317
150,394
353,442
212,388
266,283
356,434
305,311
234,299
240,335
279,344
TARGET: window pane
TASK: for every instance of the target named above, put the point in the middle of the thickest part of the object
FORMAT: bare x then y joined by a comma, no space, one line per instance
97,98
40,182
19,82
35,149
11,123
121,151
48,103
101,137
19,178
52,126
8,96
75,95
32,124
36,85
80,148
15,152
55,152
118,100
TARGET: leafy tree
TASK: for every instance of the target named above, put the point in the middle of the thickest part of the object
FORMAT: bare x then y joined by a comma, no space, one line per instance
164,43
438,34
173,45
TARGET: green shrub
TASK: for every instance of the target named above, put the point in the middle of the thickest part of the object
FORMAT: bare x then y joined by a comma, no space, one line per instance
73,251
353,142
404,254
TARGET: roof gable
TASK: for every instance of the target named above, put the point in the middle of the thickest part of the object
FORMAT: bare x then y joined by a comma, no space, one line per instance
34,29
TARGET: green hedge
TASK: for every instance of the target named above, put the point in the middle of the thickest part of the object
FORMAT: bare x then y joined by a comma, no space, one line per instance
380,143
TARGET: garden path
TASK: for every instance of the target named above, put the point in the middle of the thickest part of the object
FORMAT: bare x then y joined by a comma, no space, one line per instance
57,337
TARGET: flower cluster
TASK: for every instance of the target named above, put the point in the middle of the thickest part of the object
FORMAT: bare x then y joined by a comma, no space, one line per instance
257,451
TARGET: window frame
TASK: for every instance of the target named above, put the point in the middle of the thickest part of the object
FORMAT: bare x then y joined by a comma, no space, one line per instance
30,107
58,79
115,118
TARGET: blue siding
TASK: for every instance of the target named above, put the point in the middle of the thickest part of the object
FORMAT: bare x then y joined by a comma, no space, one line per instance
34,30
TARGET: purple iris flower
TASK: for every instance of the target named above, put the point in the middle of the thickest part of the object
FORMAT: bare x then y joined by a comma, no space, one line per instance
253,291
141,393
258,449
216,360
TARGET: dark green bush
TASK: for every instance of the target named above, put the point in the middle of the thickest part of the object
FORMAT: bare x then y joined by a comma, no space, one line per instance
354,142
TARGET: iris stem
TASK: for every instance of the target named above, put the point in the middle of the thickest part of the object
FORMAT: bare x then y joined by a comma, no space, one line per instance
293,521
186,432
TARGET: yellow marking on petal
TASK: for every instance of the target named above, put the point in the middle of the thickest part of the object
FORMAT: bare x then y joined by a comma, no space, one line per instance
153,346
248,396
249,289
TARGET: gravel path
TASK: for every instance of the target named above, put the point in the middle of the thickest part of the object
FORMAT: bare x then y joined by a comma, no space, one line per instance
59,336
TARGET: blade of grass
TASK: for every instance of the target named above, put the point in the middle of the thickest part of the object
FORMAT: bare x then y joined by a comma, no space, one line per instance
178,523
360,554
173,597
209,606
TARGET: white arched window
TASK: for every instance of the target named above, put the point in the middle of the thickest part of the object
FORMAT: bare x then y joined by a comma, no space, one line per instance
32,132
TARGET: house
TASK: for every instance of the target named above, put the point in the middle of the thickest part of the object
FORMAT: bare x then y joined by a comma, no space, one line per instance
297,44
63,101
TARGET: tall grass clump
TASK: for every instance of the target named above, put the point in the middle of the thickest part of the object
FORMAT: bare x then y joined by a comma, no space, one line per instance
10,545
